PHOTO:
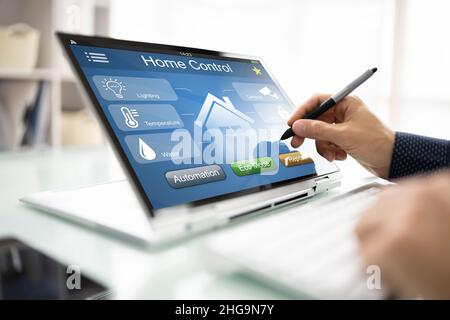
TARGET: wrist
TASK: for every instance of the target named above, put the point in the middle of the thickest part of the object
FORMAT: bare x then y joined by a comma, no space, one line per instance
387,151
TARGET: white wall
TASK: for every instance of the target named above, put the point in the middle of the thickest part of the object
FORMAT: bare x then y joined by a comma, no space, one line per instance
318,46
424,102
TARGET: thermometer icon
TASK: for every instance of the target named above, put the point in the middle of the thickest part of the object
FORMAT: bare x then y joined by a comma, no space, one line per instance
130,117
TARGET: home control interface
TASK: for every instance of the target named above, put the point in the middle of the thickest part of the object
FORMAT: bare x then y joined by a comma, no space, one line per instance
195,125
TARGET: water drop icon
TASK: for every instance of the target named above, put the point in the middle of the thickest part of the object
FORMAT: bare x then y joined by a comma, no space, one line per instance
146,151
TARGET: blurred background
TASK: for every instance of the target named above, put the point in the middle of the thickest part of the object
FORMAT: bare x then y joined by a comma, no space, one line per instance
309,45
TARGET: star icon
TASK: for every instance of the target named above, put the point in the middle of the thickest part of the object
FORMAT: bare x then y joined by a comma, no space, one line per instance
256,71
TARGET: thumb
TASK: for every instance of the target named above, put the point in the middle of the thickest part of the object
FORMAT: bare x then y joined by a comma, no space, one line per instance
317,130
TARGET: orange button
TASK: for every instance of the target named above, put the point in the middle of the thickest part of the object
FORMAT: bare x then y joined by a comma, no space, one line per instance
293,159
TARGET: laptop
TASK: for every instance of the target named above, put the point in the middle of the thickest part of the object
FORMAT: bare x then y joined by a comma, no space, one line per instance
197,133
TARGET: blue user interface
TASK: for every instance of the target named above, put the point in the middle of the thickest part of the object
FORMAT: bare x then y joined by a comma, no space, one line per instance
194,126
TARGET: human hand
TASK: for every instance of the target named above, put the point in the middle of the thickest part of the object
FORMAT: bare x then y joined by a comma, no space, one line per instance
407,234
347,128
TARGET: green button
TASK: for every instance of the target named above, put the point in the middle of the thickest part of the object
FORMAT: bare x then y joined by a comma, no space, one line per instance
258,165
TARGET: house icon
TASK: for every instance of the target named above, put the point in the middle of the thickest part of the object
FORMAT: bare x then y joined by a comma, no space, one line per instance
217,113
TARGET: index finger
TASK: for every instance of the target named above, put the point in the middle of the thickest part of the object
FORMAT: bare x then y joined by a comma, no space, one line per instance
307,106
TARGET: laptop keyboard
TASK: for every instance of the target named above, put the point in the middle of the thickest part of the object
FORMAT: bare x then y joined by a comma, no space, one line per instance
311,249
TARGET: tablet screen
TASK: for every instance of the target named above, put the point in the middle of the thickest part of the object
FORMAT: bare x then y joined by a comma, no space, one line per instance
194,124
28,274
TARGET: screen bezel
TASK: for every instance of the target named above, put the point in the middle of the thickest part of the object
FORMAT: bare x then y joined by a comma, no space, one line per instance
111,43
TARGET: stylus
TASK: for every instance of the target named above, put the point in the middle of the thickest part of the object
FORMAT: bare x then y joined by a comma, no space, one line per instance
333,100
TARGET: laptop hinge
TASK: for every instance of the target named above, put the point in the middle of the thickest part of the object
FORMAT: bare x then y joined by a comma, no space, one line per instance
204,223
217,219
324,184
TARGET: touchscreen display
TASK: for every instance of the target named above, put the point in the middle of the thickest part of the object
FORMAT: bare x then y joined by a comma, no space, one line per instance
195,126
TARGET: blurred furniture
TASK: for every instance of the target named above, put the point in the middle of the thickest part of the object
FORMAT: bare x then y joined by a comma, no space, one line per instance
20,44
73,121
132,271
47,16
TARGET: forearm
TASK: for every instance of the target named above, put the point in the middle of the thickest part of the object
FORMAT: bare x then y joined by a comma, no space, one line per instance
415,154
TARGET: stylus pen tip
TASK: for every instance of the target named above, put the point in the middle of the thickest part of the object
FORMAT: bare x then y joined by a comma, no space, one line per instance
287,134
374,70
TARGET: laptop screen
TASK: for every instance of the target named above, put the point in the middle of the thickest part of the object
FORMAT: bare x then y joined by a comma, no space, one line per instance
192,124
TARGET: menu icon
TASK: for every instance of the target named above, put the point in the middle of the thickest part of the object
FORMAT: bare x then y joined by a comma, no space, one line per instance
96,57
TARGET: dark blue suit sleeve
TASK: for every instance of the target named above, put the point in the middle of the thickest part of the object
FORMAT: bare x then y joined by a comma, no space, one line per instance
415,154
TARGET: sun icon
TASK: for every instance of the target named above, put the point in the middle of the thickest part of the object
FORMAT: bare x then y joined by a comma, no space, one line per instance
115,86
256,71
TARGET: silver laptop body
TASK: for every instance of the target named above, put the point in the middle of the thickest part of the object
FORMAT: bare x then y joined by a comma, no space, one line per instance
118,207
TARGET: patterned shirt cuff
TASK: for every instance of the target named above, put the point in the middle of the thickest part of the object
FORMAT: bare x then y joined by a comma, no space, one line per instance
415,154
